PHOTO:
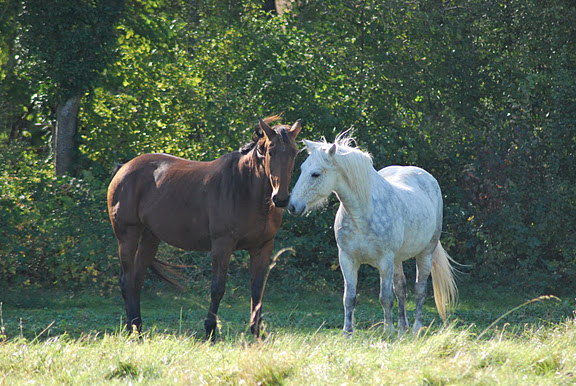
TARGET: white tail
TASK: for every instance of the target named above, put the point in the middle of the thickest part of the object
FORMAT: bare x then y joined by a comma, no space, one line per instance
445,291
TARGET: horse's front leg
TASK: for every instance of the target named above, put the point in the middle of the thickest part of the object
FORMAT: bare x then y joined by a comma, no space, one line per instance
423,267
349,269
259,266
386,269
221,252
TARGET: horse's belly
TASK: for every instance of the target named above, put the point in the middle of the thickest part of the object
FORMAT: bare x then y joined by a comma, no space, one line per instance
183,237
375,239
410,252
196,230
418,238
179,225
191,243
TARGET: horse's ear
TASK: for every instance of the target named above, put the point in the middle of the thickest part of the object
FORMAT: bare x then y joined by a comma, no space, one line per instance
332,150
296,127
267,129
311,145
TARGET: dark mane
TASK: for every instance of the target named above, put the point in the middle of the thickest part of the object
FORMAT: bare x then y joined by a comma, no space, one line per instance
256,135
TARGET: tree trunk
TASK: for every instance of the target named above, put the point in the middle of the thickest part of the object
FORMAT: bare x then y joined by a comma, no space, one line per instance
66,123
283,6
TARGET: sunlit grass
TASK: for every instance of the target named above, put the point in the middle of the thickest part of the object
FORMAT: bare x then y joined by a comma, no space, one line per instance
454,356
58,338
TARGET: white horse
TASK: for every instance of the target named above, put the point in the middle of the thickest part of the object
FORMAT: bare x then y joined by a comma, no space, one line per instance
384,218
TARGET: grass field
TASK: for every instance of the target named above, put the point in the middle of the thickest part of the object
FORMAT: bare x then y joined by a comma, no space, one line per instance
64,338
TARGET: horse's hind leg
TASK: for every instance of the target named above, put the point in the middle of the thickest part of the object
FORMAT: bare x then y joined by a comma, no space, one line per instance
400,291
137,250
349,269
423,267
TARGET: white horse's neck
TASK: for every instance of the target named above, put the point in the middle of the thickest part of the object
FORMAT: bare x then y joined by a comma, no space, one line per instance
355,194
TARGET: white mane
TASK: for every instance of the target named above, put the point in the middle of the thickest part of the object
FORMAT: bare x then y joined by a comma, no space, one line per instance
354,164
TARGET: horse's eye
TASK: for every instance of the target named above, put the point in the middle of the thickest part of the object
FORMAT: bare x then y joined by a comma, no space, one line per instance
315,174
259,152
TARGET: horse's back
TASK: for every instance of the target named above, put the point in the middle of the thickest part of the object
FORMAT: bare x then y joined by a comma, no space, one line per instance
143,176
412,178
162,192
417,206
154,165
188,204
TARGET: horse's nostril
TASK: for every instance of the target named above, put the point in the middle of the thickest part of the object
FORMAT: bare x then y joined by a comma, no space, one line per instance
294,211
280,203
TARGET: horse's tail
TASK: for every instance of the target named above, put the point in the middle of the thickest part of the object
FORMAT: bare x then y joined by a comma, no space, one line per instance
445,290
169,272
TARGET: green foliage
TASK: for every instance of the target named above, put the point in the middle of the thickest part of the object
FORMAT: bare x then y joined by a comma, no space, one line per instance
54,230
70,43
480,94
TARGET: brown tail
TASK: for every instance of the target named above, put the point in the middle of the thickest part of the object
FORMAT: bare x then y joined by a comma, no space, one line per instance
445,290
170,273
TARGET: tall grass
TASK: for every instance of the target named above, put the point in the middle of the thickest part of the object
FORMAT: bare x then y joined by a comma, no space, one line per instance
449,356
77,340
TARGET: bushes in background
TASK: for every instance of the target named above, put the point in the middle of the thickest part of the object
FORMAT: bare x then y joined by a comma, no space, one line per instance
480,94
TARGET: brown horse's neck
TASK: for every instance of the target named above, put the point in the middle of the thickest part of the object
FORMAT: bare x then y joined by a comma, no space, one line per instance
253,174
250,164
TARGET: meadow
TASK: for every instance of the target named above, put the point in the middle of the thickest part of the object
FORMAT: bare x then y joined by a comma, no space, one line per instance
481,94
494,337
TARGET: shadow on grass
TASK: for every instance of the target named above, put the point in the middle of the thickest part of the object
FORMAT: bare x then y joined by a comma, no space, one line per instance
45,314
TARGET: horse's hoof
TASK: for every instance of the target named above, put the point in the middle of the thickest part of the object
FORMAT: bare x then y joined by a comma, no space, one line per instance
418,332
210,336
402,332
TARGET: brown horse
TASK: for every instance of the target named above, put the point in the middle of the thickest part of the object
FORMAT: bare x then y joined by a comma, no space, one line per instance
231,203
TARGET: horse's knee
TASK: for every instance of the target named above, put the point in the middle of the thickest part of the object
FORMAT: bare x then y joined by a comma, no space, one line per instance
217,290
349,296
386,300
122,280
350,300
420,290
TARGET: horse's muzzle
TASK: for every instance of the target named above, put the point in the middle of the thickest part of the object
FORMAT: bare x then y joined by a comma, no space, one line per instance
296,210
278,203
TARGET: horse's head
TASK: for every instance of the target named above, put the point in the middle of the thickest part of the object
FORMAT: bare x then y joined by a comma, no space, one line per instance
317,179
278,149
